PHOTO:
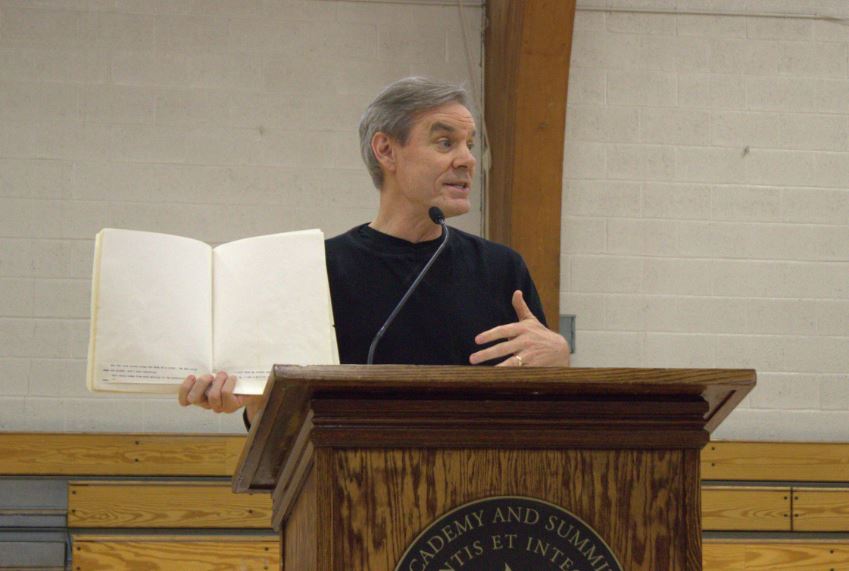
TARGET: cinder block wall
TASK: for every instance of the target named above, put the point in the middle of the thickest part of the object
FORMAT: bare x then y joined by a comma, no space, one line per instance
215,119
706,201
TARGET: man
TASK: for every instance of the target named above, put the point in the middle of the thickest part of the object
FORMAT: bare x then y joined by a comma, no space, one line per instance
477,303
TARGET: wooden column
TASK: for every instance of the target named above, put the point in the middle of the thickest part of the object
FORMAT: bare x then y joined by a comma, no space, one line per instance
528,44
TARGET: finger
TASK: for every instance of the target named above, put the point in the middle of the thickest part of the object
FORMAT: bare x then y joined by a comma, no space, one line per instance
230,401
197,395
522,309
500,350
185,387
213,394
511,361
507,331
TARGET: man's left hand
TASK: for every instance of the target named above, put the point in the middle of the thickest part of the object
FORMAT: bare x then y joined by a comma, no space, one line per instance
526,342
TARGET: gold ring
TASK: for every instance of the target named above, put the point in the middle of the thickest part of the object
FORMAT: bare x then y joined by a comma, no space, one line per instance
521,362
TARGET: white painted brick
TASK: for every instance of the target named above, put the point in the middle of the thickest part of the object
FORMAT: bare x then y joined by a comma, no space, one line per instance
675,200
834,392
744,129
192,107
711,26
16,335
82,220
586,87
608,51
62,298
64,65
117,104
234,8
117,31
826,31
14,377
780,28
673,126
604,124
588,309
150,68
714,240
13,414
817,354
744,56
302,10
213,145
104,414
709,164
43,28
45,414
746,203
16,257
602,198
763,353
583,160
49,258
61,140
829,170
16,217
780,279
815,132
147,143
676,276
711,315
16,297
679,350
641,88
344,150
780,425
705,90
80,258
784,94
225,71
608,349
58,378
647,237
781,316
382,14
832,96
589,21
593,274
411,42
786,392
815,205
676,54
191,33
640,312
33,178
583,235
633,23
641,162
769,167
30,101
297,75
169,416
694,90
832,318
52,338
812,59
794,242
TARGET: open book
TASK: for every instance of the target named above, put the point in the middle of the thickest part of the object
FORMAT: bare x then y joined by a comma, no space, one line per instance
164,307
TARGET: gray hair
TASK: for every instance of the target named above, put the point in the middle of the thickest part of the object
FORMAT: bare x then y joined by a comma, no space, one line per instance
395,109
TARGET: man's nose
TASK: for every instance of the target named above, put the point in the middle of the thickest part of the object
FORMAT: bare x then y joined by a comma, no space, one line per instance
465,158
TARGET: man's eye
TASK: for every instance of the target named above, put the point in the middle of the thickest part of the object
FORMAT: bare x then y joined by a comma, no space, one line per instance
444,143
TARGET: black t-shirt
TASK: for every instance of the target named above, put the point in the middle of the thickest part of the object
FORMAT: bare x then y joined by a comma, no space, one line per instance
467,291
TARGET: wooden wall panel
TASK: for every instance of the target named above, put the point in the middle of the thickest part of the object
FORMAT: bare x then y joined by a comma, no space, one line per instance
528,47
745,509
820,509
776,461
165,505
776,555
174,553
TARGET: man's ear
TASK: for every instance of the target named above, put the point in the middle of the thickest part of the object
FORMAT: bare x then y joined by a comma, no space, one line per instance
383,147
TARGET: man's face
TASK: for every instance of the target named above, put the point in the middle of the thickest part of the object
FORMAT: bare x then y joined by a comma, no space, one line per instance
436,166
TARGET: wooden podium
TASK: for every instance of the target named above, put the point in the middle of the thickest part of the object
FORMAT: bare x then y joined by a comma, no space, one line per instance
362,460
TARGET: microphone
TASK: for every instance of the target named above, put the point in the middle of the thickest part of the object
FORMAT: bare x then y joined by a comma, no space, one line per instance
437,217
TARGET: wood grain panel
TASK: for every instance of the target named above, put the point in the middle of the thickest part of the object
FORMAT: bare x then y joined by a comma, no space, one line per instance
819,509
165,505
776,461
384,498
776,555
745,509
528,47
174,553
300,535
119,454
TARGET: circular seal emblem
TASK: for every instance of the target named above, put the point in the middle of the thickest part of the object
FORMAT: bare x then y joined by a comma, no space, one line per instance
508,533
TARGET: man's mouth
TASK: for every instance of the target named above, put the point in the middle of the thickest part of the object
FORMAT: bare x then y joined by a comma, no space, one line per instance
459,185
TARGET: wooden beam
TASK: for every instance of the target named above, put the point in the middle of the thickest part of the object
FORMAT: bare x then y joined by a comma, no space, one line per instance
528,44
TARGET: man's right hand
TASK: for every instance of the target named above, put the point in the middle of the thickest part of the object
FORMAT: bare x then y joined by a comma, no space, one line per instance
216,393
